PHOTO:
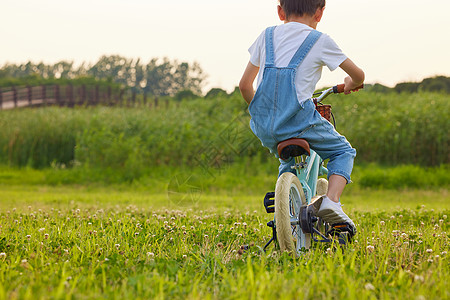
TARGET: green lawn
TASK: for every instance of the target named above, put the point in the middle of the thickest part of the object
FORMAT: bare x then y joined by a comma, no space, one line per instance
121,242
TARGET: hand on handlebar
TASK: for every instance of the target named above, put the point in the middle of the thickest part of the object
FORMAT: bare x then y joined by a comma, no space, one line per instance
349,86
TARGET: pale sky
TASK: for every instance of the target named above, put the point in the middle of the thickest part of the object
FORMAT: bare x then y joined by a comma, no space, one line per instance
391,40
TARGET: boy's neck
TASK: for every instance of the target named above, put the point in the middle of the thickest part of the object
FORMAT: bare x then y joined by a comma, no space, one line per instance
305,19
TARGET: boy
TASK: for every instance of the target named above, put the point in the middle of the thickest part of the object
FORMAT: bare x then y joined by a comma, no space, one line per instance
291,57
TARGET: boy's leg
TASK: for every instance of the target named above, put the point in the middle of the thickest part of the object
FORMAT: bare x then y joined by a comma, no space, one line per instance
336,185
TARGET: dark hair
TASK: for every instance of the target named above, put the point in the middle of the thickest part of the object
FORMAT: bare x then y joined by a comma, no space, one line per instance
301,7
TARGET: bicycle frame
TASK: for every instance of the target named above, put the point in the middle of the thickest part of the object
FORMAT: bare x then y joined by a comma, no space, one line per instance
308,169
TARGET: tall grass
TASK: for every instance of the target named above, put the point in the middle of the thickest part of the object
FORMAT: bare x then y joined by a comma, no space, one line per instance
384,128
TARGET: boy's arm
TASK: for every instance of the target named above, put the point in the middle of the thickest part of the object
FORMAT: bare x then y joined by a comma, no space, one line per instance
246,83
356,75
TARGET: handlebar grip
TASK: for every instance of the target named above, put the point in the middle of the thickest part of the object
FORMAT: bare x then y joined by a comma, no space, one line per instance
340,88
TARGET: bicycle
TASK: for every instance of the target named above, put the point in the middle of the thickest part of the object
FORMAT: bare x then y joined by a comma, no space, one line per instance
295,223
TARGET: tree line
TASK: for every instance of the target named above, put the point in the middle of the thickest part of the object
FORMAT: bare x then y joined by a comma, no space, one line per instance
159,77
432,84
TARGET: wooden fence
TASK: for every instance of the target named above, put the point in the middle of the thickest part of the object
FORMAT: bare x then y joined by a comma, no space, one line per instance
69,95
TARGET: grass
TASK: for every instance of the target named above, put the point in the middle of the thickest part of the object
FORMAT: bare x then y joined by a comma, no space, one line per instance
122,242
384,128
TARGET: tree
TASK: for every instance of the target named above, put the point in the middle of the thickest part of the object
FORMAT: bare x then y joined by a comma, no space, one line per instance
166,78
436,84
216,92
158,77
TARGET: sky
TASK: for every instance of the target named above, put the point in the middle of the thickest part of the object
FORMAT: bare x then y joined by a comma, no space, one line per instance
391,40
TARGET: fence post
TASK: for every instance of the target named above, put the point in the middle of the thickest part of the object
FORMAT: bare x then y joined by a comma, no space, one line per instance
109,95
96,95
57,98
30,95
14,96
156,102
69,95
44,95
1,98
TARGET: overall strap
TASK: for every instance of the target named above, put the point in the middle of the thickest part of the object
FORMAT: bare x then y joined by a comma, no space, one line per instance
270,60
303,50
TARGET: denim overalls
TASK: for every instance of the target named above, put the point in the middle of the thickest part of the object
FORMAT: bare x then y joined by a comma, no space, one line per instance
276,114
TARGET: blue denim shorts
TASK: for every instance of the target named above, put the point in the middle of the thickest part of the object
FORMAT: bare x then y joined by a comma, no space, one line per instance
325,141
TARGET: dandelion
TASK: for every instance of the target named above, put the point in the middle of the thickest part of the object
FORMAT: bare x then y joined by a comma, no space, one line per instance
150,254
220,245
430,260
400,216
419,278
28,236
244,224
329,251
117,246
369,287
184,256
429,250
441,221
136,233
392,217
42,229
382,223
46,236
437,256
370,248
444,217
2,255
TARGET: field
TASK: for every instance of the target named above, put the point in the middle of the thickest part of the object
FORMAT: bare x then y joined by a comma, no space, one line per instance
93,205
62,242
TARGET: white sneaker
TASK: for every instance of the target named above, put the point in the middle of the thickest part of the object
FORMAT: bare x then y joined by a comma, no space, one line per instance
332,213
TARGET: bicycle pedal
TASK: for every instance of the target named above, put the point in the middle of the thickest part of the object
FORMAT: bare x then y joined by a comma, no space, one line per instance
269,202
338,228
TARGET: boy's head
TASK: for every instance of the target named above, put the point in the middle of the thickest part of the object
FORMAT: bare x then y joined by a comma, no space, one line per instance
301,7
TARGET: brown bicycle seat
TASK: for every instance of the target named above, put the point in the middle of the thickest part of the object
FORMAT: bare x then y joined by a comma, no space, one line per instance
292,148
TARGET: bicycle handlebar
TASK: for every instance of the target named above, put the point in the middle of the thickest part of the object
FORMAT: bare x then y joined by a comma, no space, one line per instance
340,88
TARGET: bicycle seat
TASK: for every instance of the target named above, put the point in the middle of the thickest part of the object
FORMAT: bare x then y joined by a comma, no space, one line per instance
292,148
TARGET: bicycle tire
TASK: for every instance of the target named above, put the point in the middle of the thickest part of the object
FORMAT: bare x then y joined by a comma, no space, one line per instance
289,197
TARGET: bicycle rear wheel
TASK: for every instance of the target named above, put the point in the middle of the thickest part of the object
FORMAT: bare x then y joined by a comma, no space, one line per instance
289,197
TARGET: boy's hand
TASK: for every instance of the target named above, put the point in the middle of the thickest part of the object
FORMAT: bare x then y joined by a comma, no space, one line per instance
356,76
350,86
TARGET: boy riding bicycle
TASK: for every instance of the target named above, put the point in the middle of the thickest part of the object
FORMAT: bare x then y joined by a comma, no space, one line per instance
288,60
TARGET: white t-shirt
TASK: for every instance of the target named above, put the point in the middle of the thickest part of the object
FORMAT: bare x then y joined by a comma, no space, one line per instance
287,39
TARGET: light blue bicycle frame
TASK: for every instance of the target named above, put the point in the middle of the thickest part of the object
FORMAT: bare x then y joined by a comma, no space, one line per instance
308,169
